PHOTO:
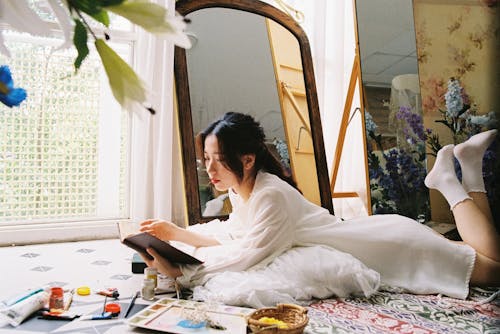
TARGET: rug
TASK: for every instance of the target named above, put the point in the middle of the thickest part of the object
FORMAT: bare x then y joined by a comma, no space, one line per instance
389,312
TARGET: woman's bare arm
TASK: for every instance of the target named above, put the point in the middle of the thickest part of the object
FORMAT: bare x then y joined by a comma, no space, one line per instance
168,231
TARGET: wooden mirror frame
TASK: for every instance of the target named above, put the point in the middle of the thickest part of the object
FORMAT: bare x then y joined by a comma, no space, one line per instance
184,7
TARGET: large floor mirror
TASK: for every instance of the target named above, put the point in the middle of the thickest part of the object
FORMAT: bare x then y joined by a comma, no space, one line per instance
393,108
248,56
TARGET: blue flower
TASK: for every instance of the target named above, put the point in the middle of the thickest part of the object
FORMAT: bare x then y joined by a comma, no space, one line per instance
453,98
9,95
370,124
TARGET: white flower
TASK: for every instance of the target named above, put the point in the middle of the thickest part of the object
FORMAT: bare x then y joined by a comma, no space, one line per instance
153,18
19,16
61,12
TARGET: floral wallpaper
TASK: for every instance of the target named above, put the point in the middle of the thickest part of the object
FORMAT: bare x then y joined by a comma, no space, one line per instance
458,43
458,39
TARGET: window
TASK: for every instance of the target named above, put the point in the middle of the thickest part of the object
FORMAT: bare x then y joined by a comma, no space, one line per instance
64,152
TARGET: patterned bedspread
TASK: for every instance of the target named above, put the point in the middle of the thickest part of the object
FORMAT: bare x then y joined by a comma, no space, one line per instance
389,312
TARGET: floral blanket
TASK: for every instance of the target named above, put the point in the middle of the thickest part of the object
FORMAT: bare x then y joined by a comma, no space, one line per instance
389,312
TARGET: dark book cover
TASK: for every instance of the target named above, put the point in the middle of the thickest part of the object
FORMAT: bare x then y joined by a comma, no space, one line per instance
141,241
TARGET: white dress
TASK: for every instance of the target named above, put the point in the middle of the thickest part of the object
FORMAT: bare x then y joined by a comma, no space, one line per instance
277,218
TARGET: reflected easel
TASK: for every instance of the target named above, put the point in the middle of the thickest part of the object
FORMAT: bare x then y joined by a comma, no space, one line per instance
345,121
292,94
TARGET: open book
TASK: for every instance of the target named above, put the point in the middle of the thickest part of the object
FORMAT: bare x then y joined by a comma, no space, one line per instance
140,241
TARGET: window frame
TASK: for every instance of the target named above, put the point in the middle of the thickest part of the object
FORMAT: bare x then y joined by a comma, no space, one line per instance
62,230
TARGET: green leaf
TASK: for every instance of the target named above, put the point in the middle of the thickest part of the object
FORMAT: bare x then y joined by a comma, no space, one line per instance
126,86
80,41
102,17
90,7
104,3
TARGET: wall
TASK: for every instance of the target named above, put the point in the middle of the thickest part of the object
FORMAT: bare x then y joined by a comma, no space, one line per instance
230,66
457,39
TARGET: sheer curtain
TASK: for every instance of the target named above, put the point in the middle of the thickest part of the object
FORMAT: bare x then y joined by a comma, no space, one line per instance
153,135
331,32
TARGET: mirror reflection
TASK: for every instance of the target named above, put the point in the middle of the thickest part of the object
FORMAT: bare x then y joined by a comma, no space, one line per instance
394,120
247,63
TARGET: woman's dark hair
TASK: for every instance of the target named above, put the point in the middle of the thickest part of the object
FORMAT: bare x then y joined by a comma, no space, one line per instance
239,134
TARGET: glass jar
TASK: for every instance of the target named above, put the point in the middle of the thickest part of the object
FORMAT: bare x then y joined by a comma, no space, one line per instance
148,289
56,299
151,273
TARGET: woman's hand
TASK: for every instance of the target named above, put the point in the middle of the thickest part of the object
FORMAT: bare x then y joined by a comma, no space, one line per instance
167,231
161,229
161,264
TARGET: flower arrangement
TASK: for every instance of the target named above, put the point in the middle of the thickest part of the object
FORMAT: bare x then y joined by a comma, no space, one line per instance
397,176
460,117
462,120
74,16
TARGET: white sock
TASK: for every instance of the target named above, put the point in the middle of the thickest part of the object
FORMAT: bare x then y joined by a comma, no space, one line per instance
442,177
470,155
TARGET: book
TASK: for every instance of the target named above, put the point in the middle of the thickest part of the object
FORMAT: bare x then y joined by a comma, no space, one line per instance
140,241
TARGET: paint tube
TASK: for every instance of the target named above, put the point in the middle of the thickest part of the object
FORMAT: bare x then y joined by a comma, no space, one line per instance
18,312
19,297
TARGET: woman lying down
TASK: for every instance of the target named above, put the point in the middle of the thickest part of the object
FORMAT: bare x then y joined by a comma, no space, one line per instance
278,247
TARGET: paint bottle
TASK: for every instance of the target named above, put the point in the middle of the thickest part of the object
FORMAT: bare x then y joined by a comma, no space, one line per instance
56,300
148,289
152,273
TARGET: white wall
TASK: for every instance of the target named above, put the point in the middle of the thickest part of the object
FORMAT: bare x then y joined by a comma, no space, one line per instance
231,69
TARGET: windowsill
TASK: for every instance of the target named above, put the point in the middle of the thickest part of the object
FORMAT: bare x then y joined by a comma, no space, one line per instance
50,233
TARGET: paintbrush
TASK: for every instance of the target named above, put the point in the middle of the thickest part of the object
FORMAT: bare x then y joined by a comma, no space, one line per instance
70,300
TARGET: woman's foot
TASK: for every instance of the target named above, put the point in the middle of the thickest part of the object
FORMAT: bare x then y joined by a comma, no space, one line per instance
470,155
442,177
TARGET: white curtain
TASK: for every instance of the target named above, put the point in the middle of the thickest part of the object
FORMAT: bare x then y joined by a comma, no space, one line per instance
152,135
331,32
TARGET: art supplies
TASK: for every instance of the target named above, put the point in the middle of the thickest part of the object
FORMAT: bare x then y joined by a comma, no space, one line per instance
148,289
56,299
83,291
70,300
21,310
131,305
101,316
59,316
113,308
186,316
152,273
109,292
20,297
